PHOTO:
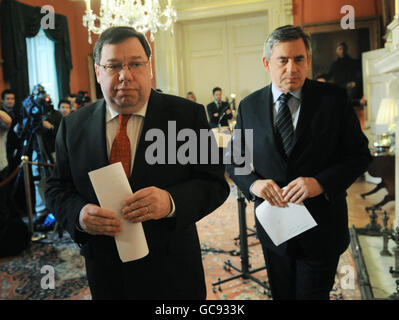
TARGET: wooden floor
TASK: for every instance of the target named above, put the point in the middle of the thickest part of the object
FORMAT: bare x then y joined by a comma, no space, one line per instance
357,214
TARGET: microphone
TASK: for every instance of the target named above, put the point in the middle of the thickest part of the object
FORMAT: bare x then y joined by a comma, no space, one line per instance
220,118
223,114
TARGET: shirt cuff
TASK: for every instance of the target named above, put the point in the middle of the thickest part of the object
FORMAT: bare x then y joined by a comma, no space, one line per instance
80,225
250,192
172,212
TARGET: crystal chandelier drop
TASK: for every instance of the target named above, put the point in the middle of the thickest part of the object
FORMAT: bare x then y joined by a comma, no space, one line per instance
143,15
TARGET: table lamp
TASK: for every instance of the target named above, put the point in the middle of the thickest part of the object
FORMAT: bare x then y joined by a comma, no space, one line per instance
387,113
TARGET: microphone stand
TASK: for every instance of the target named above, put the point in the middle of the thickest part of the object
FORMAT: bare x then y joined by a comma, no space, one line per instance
245,271
220,119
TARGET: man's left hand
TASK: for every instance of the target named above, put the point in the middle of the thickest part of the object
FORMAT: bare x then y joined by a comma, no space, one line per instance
147,204
300,189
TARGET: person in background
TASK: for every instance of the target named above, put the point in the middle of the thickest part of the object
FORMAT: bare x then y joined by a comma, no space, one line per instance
64,106
13,141
5,123
50,123
219,111
191,96
347,73
308,148
72,100
14,234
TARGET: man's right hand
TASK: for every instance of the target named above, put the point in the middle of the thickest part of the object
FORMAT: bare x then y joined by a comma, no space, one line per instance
270,191
98,221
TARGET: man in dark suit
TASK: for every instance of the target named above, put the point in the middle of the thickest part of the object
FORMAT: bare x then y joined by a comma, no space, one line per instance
313,146
168,198
218,111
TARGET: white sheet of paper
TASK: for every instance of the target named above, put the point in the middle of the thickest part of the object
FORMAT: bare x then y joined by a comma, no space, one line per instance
112,187
282,224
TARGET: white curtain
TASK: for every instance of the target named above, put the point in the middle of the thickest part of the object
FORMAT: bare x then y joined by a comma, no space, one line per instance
41,65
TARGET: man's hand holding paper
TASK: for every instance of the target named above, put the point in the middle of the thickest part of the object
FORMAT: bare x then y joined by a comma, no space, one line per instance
300,189
296,191
112,189
99,221
146,204
283,215
270,191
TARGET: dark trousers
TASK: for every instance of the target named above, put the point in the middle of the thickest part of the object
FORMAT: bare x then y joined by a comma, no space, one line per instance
294,277
154,277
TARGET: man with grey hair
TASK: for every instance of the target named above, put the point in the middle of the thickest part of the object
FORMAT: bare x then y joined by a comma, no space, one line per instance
168,199
309,149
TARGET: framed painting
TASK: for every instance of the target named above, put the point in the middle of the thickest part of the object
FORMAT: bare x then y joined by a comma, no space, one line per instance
326,36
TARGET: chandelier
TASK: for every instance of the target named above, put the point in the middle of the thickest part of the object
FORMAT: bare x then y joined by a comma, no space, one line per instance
143,15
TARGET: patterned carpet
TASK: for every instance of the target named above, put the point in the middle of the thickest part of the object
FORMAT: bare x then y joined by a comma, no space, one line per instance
21,276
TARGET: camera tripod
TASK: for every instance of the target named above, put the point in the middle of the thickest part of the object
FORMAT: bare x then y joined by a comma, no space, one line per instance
244,272
43,157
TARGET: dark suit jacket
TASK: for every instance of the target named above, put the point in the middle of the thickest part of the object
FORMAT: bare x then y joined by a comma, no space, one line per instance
173,268
54,117
213,108
329,146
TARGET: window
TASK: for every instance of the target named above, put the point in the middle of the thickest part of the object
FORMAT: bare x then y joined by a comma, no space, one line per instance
41,64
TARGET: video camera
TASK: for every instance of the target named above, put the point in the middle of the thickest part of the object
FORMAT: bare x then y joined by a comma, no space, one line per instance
35,108
82,98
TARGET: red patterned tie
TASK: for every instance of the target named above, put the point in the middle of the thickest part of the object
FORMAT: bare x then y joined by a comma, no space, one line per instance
120,150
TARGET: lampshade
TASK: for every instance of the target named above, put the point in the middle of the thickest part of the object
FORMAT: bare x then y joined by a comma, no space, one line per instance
387,112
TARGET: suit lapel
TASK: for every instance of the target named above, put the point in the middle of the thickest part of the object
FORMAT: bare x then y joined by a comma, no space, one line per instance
309,102
153,119
264,112
99,158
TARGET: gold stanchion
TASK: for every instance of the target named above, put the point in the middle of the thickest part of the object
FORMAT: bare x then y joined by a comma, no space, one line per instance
36,236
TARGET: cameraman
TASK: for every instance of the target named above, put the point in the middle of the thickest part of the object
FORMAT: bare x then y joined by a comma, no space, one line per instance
50,123
80,100
5,123
51,120
13,141
14,234
72,100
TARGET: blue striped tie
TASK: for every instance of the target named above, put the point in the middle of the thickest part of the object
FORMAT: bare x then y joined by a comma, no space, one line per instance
284,125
